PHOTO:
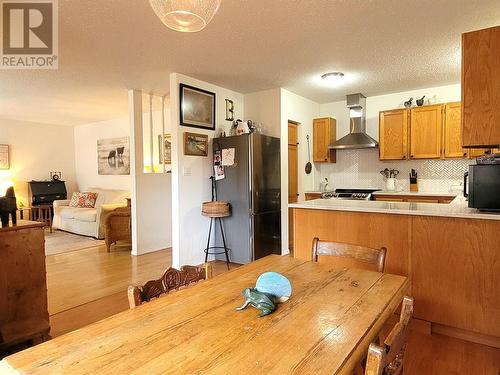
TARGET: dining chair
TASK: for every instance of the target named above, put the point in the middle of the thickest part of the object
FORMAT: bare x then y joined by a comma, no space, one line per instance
171,279
388,359
347,255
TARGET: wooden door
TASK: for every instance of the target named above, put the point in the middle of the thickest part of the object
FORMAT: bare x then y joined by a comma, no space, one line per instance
426,127
324,134
393,130
293,174
293,187
480,86
452,138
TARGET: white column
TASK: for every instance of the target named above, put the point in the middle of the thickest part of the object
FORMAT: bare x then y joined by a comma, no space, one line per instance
136,159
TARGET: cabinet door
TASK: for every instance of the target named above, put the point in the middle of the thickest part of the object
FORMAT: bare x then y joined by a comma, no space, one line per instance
452,132
475,152
480,83
393,130
426,126
323,135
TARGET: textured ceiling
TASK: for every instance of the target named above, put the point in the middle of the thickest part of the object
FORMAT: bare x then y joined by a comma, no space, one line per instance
107,46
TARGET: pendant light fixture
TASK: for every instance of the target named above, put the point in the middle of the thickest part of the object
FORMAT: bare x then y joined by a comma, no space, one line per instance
185,15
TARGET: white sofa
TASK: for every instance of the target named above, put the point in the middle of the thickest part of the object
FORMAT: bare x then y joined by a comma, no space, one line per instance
88,221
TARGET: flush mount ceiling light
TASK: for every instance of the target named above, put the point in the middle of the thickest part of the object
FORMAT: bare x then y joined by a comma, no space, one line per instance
185,15
333,78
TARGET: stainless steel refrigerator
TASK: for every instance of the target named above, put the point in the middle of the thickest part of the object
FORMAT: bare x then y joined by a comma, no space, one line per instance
252,185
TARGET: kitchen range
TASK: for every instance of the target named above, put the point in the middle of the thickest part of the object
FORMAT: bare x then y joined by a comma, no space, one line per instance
353,194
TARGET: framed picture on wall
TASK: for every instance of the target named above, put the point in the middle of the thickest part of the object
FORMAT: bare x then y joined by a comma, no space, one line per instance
4,157
113,156
195,144
165,148
197,107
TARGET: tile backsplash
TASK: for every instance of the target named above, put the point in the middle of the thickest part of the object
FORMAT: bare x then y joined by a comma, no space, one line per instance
361,169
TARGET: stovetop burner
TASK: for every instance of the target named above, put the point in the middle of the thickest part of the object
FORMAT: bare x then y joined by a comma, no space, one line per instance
354,194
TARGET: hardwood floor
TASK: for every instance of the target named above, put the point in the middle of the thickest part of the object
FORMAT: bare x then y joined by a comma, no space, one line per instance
89,285
443,355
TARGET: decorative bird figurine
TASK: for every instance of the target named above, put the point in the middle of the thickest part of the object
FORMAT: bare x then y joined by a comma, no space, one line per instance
408,103
420,102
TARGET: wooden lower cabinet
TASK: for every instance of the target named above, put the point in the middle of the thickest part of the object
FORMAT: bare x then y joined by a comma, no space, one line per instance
373,230
453,263
456,272
24,315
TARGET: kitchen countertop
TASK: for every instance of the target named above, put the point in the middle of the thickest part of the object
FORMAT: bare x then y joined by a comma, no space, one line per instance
456,209
418,193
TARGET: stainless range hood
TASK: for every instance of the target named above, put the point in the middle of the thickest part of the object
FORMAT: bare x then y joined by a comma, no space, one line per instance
357,137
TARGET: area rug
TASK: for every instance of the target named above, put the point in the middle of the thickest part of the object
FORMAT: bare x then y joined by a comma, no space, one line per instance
59,242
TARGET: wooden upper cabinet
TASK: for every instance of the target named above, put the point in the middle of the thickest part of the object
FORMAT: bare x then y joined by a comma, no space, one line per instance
393,131
426,131
481,88
324,134
452,138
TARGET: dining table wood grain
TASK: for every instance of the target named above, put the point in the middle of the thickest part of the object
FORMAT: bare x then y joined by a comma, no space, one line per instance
324,328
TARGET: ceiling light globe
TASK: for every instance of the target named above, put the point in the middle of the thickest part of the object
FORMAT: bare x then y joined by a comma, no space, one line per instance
333,79
185,15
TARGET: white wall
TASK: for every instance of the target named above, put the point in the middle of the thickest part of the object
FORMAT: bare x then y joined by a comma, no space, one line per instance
85,141
295,108
36,149
264,107
360,168
191,174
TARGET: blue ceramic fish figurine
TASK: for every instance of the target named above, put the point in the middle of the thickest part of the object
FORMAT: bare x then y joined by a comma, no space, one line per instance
276,285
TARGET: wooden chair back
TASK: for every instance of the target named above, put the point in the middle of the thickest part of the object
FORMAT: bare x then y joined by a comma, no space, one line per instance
171,279
389,358
347,255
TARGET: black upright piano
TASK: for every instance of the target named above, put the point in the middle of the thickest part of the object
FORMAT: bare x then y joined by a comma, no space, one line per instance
46,192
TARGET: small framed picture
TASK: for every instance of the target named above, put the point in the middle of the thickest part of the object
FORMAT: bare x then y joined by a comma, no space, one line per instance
197,107
195,144
4,157
165,148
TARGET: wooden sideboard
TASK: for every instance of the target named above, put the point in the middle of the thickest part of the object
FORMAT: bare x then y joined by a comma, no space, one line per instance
24,316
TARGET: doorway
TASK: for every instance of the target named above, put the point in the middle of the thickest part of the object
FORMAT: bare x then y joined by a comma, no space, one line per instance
293,183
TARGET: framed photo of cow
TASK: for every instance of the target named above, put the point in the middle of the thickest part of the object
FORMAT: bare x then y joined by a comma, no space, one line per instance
197,107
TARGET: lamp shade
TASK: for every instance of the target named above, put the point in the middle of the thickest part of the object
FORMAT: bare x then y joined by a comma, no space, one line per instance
185,15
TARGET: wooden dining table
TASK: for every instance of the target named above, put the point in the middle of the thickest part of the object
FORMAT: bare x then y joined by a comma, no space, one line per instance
324,328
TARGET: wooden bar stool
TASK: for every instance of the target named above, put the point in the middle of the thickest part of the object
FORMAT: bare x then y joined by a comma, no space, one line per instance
216,210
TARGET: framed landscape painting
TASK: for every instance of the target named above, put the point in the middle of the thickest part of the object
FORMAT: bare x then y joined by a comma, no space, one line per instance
195,144
197,107
165,151
113,156
4,157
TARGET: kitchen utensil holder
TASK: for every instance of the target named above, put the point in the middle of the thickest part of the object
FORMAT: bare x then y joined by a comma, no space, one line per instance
413,185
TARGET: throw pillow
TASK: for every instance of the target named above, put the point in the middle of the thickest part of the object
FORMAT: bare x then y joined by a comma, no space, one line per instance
83,200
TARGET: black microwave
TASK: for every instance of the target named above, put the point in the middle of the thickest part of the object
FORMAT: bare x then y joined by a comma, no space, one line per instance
482,186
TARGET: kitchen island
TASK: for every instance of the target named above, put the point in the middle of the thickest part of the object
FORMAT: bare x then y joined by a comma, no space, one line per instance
449,251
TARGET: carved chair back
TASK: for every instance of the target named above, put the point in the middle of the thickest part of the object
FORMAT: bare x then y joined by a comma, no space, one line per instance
388,359
172,279
347,255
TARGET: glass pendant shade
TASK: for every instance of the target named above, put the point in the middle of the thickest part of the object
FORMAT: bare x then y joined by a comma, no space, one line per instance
185,15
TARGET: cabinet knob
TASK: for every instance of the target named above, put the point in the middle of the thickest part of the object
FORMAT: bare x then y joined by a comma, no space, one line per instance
411,156
326,159
404,156
465,154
